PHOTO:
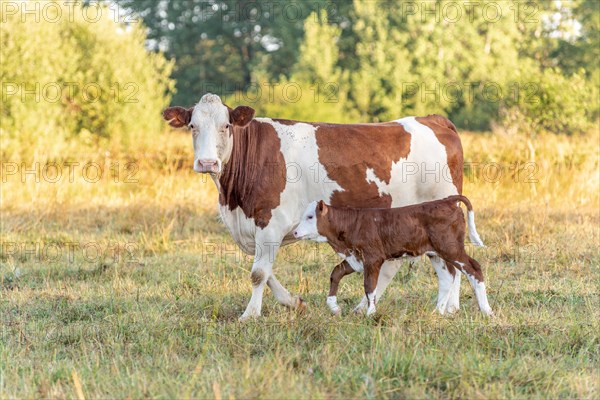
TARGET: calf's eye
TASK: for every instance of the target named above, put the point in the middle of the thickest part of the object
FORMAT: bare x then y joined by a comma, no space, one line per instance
192,126
310,217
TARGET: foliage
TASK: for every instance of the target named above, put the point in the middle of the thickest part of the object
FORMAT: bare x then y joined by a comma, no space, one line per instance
552,102
68,80
385,61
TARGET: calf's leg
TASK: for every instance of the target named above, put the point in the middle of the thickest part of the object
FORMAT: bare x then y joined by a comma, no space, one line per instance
389,269
340,271
371,275
471,268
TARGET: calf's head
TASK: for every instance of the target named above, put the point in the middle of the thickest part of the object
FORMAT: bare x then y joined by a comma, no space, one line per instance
313,221
212,124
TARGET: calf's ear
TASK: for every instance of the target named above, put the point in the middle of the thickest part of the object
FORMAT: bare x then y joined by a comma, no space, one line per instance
241,116
178,116
322,207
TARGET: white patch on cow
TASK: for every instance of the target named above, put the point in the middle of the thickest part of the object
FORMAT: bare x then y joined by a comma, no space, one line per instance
423,175
242,228
210,137
306,177
333,305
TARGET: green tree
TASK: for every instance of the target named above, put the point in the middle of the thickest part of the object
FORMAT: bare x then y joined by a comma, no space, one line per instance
66,81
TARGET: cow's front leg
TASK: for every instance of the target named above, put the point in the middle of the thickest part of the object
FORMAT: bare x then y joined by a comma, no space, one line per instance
262,271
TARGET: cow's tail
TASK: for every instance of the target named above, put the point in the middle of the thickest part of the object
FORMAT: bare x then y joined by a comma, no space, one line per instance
473,235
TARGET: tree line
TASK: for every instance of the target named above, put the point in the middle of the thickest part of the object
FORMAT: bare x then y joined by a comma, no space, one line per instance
485,64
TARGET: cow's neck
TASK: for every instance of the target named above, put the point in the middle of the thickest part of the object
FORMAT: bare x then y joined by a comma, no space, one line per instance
254,176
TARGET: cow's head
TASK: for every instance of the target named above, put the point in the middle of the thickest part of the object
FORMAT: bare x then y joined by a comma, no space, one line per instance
212,124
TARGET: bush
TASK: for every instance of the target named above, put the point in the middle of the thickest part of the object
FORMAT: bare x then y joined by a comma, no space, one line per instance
70,81
552,102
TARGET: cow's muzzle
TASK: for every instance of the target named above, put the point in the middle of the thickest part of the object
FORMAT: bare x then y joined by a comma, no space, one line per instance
207,166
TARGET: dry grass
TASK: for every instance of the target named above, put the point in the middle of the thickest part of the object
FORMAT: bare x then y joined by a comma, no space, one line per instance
115,289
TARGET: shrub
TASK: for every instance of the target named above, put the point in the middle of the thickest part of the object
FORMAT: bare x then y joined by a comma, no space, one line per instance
67,80
551,102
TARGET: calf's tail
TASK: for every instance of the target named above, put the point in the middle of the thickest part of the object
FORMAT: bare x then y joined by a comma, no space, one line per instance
473,235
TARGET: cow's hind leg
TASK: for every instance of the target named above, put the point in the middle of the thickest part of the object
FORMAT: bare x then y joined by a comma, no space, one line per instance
340,271
446,279
453,304
283,296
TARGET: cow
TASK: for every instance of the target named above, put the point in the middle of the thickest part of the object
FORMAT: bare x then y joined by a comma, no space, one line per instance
367,237
268,170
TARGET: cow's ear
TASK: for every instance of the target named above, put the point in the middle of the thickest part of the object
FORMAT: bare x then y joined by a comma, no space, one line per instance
178,116
241,116
322,207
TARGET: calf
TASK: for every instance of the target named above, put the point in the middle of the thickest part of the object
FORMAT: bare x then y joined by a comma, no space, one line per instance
367,237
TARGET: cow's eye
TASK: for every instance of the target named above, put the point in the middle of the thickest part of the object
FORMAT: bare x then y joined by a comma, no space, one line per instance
192,126
226,126
310,217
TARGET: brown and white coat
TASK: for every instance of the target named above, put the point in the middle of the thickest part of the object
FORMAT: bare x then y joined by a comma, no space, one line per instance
367,237
268,170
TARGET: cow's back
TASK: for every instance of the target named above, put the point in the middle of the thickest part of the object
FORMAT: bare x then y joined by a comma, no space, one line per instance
392,164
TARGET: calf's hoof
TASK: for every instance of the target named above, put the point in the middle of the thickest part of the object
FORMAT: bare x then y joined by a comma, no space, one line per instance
333,305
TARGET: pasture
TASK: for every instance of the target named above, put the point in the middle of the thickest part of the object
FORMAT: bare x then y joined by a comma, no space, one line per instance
131,287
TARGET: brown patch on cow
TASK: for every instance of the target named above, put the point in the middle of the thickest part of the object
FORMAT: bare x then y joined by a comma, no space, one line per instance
348,151
446,133
257,277
254,177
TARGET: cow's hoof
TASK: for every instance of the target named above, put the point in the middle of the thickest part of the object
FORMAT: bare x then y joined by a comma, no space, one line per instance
300,305
248,316
488,312
451,309
359,309
336,312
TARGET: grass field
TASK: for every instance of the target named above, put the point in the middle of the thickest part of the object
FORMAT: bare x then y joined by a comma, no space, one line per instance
131,287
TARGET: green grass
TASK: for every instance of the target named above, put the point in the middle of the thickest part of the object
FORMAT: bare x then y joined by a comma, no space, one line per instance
155,313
